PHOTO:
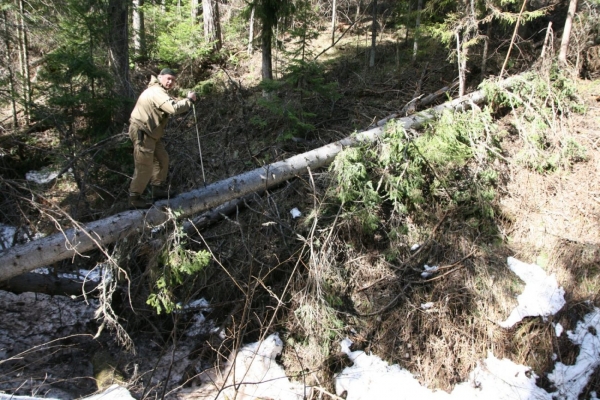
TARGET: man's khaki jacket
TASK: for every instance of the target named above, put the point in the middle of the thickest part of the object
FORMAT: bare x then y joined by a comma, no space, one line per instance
153,107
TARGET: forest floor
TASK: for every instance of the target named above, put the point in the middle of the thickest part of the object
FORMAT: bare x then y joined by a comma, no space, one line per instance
548,218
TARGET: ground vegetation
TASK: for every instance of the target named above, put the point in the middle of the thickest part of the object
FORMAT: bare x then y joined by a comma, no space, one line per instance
514,177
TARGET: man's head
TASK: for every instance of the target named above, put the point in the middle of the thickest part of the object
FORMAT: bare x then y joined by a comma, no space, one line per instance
167,78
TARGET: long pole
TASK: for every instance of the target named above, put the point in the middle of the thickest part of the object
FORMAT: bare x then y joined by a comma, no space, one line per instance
199,147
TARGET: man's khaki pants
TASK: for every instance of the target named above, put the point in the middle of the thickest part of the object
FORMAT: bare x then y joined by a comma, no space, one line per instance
151,162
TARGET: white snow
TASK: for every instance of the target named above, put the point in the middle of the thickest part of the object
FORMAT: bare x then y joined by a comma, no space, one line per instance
41,177
542,295
493,378
295,213
558,328
428,271
372,378
255,374
570,380
7,233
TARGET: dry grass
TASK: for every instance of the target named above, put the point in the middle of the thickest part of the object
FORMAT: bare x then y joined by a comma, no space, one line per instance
546,218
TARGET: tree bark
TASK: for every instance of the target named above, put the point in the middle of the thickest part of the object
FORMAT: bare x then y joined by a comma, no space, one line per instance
195,11
60,246
564,43
267,65
333,18
212,28
11,78
139,31
373,35
118,43
251,31
24,60
417,26
47,284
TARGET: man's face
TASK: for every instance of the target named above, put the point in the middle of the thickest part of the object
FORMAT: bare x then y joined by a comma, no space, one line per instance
168,81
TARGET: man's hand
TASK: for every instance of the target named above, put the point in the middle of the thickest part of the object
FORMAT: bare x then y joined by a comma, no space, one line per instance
191,96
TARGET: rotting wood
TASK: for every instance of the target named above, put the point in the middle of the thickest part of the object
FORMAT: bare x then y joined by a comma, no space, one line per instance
82,238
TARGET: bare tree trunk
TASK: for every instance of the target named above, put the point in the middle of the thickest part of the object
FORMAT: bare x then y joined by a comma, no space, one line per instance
461,71
546,39
60,246
407,23
251,31
486,45
212,28
417,26
333,18
373,35
118,43
24,60
195,11
48,284
265,44
11,77
139,31
564,43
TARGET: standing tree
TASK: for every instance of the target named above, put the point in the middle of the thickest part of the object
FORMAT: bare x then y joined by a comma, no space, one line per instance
139,31
417,26
118,48
267,13
24,59
373,35
9,68
564,44
333,18
251,31
212,27
195,11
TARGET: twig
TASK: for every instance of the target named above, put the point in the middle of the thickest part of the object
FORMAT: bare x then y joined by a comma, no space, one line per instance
325,392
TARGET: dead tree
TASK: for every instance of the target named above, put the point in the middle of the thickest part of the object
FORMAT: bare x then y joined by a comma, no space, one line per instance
82,238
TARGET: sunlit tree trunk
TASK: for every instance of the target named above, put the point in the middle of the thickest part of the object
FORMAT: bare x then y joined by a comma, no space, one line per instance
11,78
212,28
460,64
333,18
251,31
564,44
417,26
195,11
139,31
373,35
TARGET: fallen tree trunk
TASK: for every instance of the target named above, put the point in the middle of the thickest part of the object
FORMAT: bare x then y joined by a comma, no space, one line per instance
47,284
82,238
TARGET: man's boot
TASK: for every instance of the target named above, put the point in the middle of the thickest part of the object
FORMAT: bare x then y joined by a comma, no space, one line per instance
161,192
136,201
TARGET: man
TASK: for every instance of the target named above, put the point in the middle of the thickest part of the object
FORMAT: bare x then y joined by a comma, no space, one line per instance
147,127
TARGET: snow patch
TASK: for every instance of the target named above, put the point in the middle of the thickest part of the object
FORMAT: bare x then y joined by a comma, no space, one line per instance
41,177
542,295
571,380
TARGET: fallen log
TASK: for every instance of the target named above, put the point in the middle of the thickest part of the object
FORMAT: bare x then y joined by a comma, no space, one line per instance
47,284
82,238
